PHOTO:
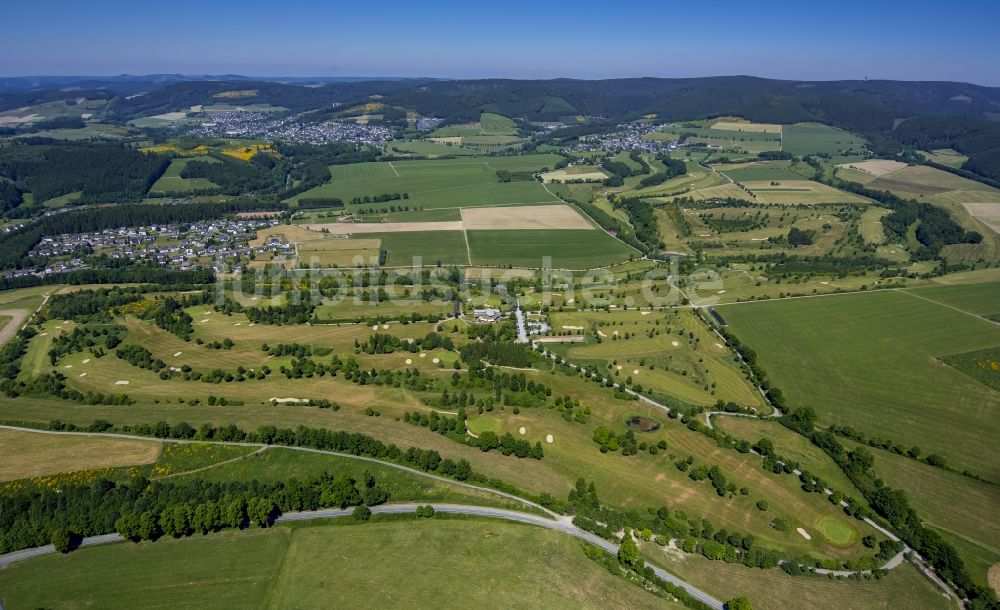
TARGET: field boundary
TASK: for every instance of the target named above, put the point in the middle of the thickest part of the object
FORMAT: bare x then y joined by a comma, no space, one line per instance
968,313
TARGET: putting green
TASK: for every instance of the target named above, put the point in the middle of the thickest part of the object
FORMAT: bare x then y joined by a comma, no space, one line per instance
836,530
483,423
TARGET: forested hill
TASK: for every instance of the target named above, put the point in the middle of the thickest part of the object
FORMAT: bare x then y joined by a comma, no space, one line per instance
955,115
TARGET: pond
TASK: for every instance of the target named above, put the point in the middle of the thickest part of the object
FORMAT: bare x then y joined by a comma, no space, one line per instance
641,423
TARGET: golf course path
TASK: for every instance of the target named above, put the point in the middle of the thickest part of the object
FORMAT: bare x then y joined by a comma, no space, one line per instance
564,525
349,456
17,318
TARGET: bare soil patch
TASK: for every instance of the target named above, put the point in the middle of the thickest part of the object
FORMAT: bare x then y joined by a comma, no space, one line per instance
987,212
347,228
748,127
875,167
524,217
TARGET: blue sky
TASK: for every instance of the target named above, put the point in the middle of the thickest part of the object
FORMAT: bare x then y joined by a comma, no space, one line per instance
467,39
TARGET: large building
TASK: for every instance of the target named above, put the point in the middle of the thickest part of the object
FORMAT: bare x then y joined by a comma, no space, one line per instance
486,316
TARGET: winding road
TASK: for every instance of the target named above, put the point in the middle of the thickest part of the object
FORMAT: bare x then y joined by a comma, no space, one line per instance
562,524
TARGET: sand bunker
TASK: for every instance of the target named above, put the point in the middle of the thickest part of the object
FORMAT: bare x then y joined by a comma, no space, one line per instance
83,374
177,354
549,439
409,361
521,430
121,382
635,371
436,361
85,360
288,400
566,327
804,533
674,343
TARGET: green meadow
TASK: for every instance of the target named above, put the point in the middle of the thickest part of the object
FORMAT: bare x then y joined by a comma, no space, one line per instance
873,361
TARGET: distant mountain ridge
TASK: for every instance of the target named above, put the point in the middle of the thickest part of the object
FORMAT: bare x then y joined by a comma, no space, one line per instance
937,114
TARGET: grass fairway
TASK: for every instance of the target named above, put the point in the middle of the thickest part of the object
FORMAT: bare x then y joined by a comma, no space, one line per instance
32,454
461,564
226,570
446,247
872,361
569,249
791,445
904,587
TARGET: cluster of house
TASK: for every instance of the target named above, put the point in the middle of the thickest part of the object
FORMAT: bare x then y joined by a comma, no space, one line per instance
268,127
187,246
628,136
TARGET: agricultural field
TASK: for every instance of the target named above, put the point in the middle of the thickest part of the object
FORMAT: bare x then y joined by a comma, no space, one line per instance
791,192
586,173
172,182
757,171
945,156
829,347
807,138
291,567
33,454
958,507
905,587
567,248
449,183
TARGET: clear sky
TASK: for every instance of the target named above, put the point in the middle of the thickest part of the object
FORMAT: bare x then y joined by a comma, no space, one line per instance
803,39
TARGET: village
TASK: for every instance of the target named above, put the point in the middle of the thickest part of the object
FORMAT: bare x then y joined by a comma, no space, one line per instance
202,244
267,127
628,136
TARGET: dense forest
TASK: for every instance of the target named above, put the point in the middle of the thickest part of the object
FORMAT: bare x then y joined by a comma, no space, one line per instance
102,173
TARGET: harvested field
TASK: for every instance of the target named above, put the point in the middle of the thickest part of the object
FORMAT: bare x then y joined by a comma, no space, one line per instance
945,156
587,173
876,167
986,212
747,127
524,217
340,252
799,191
478,273
720,191
924,180
293,234
446,140
347,228
33,454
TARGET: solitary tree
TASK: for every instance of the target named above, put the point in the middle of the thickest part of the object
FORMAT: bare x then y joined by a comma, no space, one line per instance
739,603
628,552
62,539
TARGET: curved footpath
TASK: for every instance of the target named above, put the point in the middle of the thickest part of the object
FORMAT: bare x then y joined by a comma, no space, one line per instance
891,564
564,525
